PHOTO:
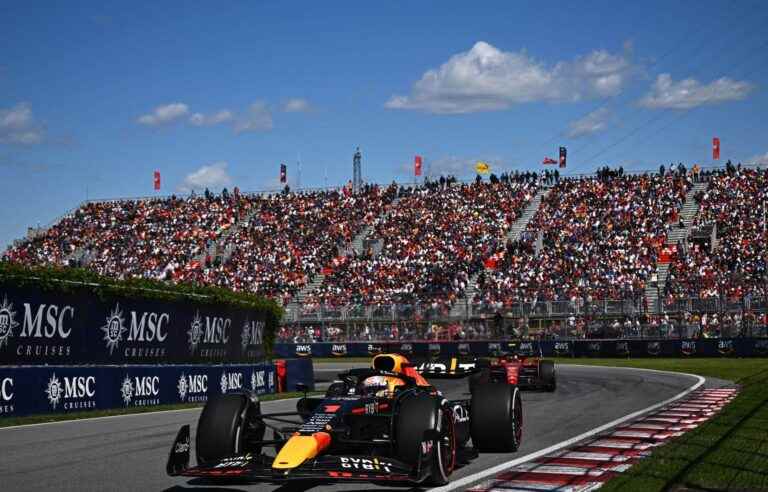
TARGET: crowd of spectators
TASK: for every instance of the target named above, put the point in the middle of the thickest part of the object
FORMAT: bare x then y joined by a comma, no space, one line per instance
290,237
735,269
135,238
433,239
367,332
591,239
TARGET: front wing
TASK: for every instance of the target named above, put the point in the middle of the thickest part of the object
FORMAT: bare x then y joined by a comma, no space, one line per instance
258,467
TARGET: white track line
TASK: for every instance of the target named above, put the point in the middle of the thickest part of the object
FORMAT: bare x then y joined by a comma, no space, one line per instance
107,417
476,477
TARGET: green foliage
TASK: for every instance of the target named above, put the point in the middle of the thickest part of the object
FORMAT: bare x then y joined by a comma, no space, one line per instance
75,280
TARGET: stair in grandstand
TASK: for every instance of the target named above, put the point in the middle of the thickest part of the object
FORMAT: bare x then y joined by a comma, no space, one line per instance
687,214
376,244
357,244
459,308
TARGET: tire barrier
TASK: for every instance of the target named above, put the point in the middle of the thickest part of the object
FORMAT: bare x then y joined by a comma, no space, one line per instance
702,347
65,389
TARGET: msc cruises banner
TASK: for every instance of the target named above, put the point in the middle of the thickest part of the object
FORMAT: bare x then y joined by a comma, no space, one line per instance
64,389
705,347
45,328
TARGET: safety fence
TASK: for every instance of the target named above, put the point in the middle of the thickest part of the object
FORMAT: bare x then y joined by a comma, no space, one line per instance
463,309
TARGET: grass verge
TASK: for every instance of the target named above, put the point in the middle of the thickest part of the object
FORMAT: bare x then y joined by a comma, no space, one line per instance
729,452
41,419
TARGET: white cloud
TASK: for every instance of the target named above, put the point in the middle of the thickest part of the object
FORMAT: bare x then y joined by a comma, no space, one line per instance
200,119
297,105
594,122
258,118
213,176
488,79
690,93
759,160
164,114
18,126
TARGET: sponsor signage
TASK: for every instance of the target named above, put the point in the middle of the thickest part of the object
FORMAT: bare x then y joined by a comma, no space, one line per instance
62,389
739,347
48,328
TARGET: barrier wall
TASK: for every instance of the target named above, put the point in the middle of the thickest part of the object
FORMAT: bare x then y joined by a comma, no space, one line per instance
61,389
723,347
73,328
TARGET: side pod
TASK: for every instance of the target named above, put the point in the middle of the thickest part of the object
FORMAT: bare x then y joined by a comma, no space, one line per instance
178,460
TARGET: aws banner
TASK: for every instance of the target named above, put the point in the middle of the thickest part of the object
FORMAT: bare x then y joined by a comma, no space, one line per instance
722,347
63,389
40,327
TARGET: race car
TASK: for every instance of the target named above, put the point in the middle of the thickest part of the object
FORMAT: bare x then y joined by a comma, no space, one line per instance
518,363
521,364
385,423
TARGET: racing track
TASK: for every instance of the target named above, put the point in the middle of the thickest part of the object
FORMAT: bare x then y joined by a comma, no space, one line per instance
129,452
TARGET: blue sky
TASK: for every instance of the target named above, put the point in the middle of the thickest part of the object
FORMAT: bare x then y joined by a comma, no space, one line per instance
95,96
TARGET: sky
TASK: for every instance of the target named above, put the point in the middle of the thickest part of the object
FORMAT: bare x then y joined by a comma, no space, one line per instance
94,97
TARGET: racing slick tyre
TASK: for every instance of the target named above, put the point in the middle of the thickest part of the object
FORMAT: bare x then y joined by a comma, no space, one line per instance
547,373
496,417
417,415
227,427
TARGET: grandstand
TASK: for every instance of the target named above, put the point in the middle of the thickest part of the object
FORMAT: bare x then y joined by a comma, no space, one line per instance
571,256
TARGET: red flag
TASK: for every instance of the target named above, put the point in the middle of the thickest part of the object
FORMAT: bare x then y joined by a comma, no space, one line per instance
417,165
283,173
157,180
548,160
715,148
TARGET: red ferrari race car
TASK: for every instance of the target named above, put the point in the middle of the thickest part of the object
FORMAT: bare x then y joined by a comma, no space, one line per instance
385,423
520,363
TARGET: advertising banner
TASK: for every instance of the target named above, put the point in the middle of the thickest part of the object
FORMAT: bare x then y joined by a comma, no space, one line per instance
706,347
53,328
61,389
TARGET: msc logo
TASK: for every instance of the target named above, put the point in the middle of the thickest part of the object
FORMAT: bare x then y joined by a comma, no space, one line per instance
214,331
140,391
231,381
258,380
74,388
7,321
147,328
252,334
192,386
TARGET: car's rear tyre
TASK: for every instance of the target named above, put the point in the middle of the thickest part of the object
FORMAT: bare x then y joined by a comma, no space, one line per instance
547,373
496,418
227,427
416,416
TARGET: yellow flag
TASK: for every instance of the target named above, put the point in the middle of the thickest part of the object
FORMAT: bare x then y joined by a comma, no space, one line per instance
482,168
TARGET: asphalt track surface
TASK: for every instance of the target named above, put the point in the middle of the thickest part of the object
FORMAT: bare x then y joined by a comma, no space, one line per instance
130,452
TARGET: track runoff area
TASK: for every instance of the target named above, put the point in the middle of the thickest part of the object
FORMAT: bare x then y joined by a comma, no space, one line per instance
597,422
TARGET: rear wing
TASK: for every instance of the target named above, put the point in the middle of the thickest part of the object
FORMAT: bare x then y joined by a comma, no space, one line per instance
453,367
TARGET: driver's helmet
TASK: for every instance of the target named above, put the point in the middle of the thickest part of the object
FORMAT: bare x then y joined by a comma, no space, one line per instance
380,385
